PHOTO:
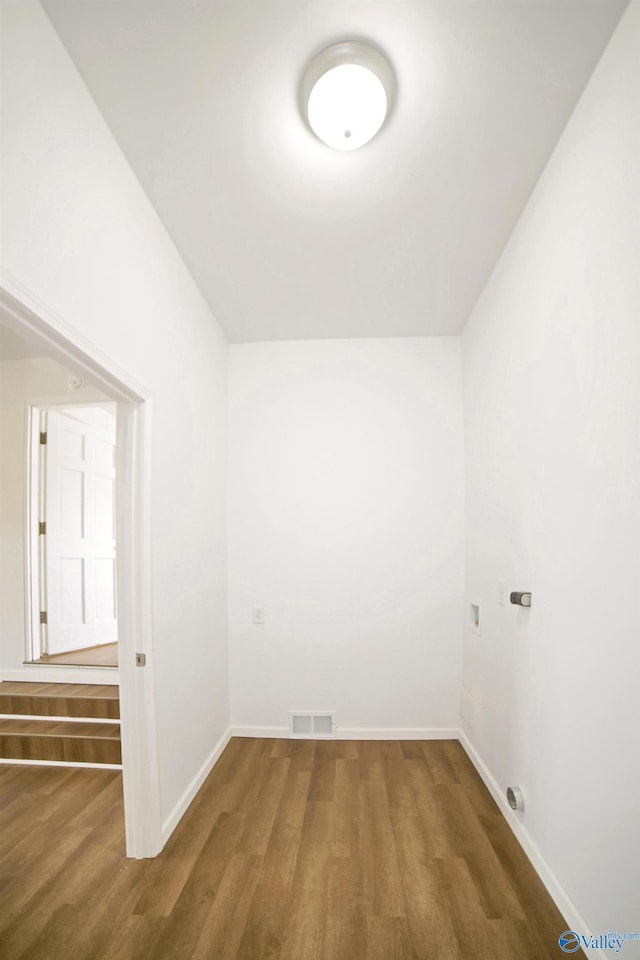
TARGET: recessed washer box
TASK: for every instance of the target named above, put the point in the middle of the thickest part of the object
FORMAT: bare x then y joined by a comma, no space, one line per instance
474,617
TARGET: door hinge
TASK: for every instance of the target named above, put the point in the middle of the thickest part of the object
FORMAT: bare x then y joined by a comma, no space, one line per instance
43,437
42,528
43,617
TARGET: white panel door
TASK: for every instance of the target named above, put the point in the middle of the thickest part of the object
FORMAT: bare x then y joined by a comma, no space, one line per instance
80,546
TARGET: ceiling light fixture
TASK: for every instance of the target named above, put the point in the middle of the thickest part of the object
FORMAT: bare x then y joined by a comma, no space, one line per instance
346,94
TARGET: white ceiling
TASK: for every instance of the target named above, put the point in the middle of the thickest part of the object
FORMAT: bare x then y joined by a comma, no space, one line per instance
288,239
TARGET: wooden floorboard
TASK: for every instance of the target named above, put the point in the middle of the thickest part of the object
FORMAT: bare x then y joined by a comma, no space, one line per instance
61,748
20,698
66,690
292,850
106,655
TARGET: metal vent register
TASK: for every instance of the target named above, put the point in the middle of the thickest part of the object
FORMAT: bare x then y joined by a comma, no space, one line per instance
306,724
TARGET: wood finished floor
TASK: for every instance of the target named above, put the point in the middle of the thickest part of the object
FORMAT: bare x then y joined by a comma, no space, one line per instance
105,655
292,850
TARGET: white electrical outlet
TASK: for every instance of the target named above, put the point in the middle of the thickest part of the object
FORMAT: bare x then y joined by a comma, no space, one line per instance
502,592
258,614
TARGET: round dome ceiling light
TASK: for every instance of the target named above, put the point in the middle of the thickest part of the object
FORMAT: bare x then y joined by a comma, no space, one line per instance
346,94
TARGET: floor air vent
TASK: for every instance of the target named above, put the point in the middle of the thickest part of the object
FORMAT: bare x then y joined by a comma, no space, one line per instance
313,726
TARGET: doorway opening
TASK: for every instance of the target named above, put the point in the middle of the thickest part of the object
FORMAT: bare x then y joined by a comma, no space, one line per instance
71,487
43,334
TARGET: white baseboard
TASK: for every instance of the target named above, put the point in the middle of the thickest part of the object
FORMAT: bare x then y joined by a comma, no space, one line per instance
357,733
397,733
189,794
38,673
276,733
574,919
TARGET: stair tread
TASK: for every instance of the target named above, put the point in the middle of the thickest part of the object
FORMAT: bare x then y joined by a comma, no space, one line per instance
20,688
78,700
57,728
77,740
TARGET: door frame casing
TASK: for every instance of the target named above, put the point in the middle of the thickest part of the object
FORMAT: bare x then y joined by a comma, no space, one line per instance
141,781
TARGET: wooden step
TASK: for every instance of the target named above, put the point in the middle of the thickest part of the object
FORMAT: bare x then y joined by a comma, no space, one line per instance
68,741
60,700
59,723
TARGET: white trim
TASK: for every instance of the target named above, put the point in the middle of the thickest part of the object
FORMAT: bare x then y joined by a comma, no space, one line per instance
33,576
189,795
357,733
572,916
268,733
52,718
61,763
141,776
141,783
41,673
69,346
397,733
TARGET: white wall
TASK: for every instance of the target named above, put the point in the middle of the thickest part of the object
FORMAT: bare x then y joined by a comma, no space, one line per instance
79,233
552,407
21,381
345,525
